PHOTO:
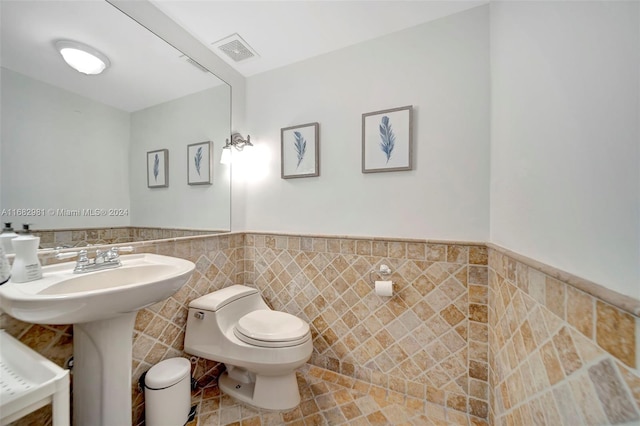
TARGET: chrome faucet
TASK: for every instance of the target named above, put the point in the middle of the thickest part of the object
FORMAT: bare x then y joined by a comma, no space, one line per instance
105,259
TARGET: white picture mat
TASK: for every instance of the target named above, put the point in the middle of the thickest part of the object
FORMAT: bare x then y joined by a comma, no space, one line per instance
205,164
374,157
308,163
161,179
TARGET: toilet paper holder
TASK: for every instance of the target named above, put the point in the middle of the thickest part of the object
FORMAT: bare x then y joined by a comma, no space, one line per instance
383,271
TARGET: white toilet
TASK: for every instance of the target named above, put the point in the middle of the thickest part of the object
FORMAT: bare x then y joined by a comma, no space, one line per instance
260,347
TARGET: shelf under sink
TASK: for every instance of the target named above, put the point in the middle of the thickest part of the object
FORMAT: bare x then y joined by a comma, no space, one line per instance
29,381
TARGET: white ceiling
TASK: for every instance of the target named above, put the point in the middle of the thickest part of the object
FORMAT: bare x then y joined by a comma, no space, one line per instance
146,71
284,32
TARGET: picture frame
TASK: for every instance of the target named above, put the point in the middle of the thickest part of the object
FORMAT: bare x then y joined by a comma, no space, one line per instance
387,141
300,151
158,168
199,164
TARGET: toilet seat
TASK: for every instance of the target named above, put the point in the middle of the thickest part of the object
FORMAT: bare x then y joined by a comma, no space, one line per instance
271,329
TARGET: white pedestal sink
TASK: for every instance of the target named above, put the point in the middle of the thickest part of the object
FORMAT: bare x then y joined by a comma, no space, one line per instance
102,307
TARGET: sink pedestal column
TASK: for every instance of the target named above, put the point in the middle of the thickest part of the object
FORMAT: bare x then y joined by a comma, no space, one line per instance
102,356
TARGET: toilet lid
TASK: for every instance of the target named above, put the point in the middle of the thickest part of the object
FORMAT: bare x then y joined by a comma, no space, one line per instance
271,326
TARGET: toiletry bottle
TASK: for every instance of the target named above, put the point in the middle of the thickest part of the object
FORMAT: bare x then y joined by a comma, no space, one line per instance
25,229
26,266
5,238
5,269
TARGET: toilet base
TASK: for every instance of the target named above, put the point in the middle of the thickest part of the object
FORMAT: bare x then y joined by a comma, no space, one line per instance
277,393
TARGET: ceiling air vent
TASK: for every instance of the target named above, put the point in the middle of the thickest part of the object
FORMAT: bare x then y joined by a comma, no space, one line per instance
235,48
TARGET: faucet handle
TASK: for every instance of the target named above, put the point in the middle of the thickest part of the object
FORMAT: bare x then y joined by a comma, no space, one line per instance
66,255
83,262
114,252
82,255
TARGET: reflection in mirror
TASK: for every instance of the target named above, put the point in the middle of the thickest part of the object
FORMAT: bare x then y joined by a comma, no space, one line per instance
73,154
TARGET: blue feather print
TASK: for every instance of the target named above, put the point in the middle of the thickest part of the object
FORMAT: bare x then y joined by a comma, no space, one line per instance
300,146
156,167
388,139
198,159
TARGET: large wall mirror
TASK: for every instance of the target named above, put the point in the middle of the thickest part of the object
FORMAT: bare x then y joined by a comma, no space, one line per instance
74,147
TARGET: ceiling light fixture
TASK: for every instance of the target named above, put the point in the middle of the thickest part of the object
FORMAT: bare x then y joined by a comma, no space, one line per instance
82,58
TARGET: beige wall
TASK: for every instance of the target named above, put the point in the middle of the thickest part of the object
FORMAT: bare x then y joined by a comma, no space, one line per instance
558,355
159,329
469,327
52,238
428,341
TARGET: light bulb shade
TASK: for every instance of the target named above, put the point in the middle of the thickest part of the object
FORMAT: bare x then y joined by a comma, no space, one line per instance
225,158
82,58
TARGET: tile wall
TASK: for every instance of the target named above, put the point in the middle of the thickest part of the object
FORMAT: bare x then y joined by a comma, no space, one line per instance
428,341
558,355
159,329
96,236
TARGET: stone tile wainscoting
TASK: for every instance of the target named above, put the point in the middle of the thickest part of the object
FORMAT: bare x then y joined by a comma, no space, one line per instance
159,329
428,341
52,238
561,352
470,328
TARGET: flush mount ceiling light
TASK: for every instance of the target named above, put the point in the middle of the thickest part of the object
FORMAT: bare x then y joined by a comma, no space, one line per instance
82,58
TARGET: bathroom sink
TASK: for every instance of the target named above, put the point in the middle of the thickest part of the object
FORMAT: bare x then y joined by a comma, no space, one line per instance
102,306
62,297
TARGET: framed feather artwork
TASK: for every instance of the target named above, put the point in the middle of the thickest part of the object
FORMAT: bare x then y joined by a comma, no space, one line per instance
387,140
300,151
158,168
199,163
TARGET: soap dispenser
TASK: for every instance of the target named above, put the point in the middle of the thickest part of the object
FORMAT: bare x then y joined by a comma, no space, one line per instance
5,269
26,265
6,236
25,229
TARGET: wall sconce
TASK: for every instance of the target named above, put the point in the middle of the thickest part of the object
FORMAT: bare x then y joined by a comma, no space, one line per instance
237,142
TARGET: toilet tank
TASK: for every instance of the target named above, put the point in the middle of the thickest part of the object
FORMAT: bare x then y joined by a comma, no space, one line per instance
214,314
218,299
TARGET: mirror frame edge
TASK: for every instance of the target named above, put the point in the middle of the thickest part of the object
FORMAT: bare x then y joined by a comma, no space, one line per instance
145,13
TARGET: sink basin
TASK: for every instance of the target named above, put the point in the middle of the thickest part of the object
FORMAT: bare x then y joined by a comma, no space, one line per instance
62,297
102,306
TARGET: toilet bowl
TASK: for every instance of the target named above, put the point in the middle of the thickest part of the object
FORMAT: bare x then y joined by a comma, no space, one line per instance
260,347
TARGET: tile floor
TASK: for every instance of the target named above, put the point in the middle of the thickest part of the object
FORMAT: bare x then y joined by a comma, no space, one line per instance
330,399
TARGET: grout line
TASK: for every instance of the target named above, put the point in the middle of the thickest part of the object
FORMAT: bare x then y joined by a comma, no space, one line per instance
637,335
